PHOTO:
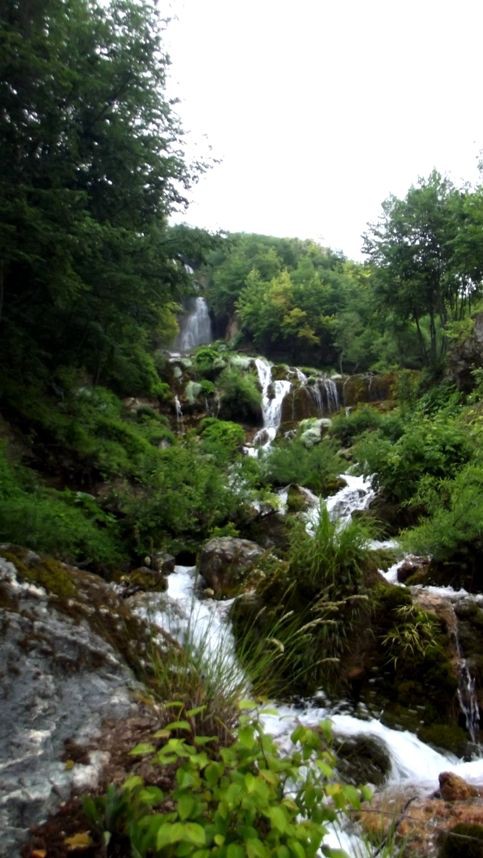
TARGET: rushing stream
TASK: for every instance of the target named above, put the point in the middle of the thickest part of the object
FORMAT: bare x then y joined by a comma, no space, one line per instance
206,623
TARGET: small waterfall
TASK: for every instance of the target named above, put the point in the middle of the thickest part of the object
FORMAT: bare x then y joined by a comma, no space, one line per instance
195,328
325,395
178,409
273,394
468,700
441,600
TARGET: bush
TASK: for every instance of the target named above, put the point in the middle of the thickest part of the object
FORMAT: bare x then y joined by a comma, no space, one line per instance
69,524
313,467
435,447
455,526
247,799
347,428
221,438
240,396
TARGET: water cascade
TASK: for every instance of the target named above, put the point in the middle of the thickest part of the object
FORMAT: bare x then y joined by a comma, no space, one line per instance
413,764
195,328
445,598
178,409
325,395
273,394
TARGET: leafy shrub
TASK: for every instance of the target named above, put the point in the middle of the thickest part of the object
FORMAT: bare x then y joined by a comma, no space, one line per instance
209,360
437,447
455,524
313,467
247,799
240,396
70,524
221,437
347,427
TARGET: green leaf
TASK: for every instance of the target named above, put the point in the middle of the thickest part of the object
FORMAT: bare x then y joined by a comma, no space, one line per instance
185,806
178,725
256,849
235,851
132,782
246,704
277,818
194,833
195,711
142,750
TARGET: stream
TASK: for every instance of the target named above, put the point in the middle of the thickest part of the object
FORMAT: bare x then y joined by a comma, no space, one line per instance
205,622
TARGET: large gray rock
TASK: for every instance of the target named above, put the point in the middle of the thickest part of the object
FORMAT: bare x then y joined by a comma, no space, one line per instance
64,653
226,563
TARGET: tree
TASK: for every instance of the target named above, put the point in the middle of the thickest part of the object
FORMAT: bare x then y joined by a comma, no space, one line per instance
424,271
91,166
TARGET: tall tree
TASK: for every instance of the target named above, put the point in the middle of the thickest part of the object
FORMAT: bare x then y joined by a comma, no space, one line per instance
422,272
90,167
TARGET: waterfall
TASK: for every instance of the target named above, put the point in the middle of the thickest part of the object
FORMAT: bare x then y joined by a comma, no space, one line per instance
178,409
325,395
273,394
195,328
446,597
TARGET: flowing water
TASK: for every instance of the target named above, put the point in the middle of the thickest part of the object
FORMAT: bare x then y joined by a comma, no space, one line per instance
195,327
273,394
412,762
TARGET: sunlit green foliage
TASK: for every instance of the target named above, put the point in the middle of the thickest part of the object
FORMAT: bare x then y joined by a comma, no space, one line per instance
246,799
293,462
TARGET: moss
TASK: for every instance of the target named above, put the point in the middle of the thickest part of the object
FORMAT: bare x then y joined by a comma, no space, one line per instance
447,736
465,840
44,572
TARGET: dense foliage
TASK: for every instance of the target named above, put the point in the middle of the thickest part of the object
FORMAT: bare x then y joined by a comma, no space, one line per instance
91,166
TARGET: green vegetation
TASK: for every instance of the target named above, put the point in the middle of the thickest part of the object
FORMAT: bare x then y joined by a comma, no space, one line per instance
293,462
66,523
245,799
309,606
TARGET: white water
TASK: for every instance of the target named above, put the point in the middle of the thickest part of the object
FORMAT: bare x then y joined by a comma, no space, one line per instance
195,328
273,394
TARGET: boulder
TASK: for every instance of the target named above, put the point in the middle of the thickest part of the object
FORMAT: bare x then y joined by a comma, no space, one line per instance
427,826
362,759
68,644
226,563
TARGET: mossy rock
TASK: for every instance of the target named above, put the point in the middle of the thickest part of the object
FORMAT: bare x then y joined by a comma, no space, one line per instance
362,759
145,578
465,840
448,737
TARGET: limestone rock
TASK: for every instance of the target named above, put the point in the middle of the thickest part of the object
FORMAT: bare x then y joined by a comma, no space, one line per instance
454,788
66,642
226,562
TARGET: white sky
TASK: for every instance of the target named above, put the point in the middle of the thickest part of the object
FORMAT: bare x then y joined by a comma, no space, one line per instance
319,109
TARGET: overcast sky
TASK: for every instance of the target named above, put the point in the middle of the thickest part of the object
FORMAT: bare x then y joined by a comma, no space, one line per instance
319,109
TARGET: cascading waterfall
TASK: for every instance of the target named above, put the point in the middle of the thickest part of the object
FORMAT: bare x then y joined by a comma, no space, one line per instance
466,693
205,623
195,329
273,394
178,410
325,395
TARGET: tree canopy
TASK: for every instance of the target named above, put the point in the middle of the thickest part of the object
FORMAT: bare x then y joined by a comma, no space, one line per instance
91,167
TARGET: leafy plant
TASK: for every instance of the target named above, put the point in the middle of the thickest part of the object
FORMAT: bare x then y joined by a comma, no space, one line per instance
413,636
292,462
246,799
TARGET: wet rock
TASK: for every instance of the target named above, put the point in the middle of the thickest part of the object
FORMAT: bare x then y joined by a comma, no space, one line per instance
362,759
163,562
144,578
66,643
226,563
413,570
425,826
454,788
